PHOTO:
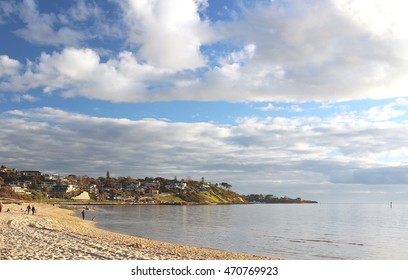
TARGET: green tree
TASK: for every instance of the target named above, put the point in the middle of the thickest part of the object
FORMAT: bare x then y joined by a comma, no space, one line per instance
226,186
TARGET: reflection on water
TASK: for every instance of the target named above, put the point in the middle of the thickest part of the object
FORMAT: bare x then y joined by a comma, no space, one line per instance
292,231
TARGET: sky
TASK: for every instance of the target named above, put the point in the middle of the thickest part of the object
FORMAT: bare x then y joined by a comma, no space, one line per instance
301,98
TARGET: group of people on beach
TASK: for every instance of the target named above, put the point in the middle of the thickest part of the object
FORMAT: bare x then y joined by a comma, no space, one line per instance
32,209
29,209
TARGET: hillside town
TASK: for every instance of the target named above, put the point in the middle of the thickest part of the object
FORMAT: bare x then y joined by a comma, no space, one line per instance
34,184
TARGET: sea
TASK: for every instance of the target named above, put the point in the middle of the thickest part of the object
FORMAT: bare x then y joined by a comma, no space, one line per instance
289,231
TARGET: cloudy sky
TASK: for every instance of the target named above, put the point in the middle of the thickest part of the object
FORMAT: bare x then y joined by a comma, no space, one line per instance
299,97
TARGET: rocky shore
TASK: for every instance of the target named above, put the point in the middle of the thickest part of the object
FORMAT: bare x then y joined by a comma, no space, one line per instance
53,233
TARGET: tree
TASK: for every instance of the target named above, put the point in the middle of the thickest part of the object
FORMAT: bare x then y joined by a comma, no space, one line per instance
226,186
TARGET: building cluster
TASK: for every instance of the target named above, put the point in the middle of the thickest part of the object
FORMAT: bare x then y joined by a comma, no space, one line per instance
102,188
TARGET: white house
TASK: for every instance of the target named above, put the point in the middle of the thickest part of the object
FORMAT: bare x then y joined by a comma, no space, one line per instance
179,185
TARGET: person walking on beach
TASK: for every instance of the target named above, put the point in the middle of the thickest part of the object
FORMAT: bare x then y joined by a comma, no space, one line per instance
83,214
28,209
1,206
33,209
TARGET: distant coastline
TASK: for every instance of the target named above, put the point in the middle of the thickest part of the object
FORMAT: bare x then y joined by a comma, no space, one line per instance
271,199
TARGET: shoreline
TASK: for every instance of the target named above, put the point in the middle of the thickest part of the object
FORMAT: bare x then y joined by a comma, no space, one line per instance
54,233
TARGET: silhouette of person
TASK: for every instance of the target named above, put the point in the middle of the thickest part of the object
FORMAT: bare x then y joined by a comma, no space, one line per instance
33,209
83,214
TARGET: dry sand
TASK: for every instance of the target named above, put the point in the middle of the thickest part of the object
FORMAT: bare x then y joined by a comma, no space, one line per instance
55,234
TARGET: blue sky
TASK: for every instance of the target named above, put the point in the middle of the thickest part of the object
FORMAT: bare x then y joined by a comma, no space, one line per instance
297,98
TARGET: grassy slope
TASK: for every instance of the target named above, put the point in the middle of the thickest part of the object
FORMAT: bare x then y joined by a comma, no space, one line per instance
214,195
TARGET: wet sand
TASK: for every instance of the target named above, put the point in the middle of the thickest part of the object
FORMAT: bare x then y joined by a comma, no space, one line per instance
55,234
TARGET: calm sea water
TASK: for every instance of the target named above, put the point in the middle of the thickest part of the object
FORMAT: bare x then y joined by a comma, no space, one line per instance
290,231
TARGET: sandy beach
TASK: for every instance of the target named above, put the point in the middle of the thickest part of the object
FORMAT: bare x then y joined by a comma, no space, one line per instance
55,234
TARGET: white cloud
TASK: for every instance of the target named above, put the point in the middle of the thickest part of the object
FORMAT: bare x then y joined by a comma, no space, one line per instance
40,28
320,53
83,10
382,18
240,57
387,112
295,108
145,147
24,97
169,33
80,72
8,66
6,9
269,107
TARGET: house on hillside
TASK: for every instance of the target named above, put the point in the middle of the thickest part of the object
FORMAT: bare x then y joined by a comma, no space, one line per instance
49,177
24,184
47,184
60,191
91,189
152,185
153,191
132,186
6,170
30,173
178,185
18,189
140,190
